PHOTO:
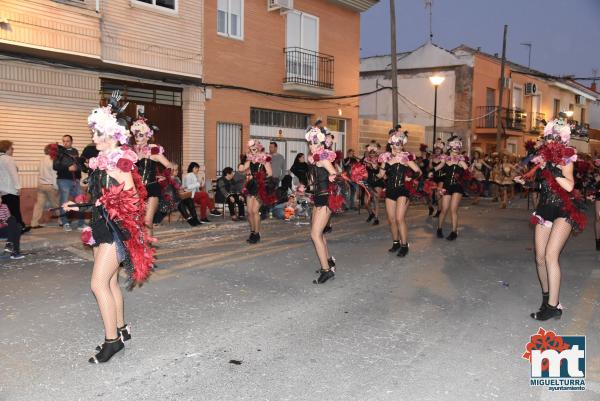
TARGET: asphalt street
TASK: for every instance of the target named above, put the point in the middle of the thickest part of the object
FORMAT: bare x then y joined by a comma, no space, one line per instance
224,320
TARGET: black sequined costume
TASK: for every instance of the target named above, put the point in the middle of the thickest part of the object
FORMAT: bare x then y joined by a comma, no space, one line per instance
438,176
105,230
453,179
320,177
252,184
550,206
147,169
373,181
396,180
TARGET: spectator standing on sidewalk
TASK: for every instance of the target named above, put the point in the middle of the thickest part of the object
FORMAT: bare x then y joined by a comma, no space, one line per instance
47,190
277,162
10,185
68,173
11,229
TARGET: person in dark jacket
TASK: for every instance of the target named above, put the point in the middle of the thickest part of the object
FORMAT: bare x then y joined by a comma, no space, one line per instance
226,194
68,174
300,169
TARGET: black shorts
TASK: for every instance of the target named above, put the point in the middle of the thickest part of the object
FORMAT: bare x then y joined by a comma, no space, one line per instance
550,212
454,189
322,200
395,193
154,190
252,187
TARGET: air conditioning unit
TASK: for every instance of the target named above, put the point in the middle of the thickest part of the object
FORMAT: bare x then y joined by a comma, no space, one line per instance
580,100
530,89
280,5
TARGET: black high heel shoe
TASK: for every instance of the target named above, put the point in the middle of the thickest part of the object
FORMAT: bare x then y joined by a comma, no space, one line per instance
325,275
371,217
331,263
440,233
251,237
545,298
254,238
107,350
376,222
403,250
395,246
453,235
123,332
549,312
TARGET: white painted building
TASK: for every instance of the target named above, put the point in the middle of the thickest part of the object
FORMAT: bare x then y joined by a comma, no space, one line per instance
416,93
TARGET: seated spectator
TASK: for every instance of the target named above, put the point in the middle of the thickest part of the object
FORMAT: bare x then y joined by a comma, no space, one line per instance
173,197
11,229
226,194
195,184
283,195
239,179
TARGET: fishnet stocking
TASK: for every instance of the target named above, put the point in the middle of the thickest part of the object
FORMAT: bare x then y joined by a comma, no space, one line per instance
549,243
320,218
108,295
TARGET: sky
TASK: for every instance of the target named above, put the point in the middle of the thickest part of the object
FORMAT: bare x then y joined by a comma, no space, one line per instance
565,34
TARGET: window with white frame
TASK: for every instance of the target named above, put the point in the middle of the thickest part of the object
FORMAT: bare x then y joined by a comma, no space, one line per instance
230,18
161,4
302,35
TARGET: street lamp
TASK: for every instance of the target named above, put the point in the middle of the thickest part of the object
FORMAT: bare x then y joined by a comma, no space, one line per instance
436,81
569,113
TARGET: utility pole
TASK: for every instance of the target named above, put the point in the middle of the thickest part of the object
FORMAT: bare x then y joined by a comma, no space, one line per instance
499,127
429,4
394,60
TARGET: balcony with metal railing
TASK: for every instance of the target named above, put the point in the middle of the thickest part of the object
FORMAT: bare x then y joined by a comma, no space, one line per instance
308,71
512,119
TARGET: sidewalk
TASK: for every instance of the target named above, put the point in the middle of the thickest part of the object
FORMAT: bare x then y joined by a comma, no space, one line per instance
54,237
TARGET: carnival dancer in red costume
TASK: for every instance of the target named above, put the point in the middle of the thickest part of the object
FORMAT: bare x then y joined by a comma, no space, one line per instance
374,183
453,168
116,233
400,169
559,211
258,187
149,157
326,199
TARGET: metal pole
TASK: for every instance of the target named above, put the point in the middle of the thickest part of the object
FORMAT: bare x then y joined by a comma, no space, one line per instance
434,115
394,61
499,130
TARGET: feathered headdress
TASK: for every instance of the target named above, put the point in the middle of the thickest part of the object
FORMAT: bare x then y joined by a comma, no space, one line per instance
399,139
314,136
455,143
254,143
103,120
558,130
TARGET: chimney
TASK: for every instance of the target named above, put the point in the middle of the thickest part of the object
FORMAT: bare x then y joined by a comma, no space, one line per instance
593,87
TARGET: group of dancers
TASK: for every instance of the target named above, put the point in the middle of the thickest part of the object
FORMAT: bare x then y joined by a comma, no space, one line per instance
123,196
